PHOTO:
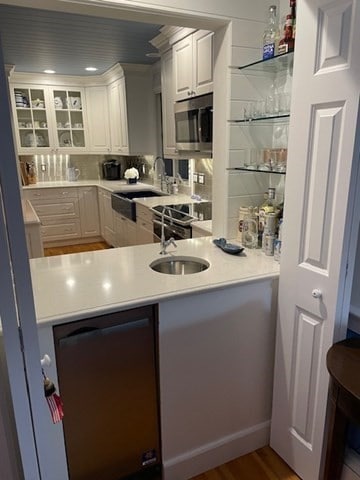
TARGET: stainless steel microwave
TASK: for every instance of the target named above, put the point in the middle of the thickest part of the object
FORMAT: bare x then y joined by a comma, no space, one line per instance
193,124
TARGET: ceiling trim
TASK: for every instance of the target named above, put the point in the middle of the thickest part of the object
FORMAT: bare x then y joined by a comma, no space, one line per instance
127,10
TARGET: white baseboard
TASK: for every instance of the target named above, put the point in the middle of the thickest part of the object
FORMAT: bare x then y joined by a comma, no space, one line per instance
216,453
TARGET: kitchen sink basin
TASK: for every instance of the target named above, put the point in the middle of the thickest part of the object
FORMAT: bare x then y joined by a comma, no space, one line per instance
139,194
179,265
123,202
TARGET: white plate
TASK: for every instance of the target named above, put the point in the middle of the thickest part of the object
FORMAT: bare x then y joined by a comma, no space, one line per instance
65,139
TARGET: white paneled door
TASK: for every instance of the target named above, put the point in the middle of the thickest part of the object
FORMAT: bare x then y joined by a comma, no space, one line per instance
321,224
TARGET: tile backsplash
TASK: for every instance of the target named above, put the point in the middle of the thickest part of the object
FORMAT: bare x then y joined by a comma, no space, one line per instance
54,167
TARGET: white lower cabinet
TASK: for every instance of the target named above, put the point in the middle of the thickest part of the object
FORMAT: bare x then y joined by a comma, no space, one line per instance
144,225
125,231
58,211
66,214
89,212
106,216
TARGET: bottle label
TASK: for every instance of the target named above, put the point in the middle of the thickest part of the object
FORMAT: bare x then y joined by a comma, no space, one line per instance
268,50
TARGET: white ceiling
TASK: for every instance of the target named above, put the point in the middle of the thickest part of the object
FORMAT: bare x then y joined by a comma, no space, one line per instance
34,40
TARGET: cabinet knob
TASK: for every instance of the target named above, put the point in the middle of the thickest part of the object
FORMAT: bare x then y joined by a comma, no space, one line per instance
316,293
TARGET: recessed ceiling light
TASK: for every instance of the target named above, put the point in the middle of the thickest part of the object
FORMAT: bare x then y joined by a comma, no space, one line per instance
49,71
91,69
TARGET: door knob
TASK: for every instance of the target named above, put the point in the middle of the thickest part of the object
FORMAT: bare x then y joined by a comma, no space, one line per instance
316,293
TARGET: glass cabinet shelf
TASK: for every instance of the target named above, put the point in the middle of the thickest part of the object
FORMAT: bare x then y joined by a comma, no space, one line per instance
268,120
256,170
269,66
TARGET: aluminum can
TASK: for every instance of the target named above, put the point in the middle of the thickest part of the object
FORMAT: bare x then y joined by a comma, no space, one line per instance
270,223
269,244
277,250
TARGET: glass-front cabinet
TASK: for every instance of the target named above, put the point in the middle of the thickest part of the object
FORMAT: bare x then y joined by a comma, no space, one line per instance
31,118
69,120
48,119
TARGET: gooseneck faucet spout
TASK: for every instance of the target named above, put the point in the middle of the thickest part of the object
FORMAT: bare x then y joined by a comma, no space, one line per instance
165,243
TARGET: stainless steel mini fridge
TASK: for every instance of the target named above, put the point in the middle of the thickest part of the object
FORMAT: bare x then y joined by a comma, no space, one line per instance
108,382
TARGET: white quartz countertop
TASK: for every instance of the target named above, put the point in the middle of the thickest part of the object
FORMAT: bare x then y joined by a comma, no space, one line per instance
75,286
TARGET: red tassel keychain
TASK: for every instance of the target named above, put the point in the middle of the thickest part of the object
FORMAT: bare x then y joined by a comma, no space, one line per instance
53,400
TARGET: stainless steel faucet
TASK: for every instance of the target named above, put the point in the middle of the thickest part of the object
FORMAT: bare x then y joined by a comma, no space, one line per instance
165,243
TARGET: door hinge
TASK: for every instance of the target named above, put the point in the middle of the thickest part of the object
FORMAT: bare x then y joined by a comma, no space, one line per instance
346,269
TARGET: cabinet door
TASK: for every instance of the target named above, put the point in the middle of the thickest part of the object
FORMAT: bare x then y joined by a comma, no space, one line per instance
101,204
182,63
203,62
31,118
98,119
167,98
108,219
118,117
89,212
124,135
115,117
68,118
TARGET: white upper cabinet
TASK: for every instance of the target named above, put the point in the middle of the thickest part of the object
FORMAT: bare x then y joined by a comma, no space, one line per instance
113,113
118,117
48,119
193,65
98,119
132,112
167,99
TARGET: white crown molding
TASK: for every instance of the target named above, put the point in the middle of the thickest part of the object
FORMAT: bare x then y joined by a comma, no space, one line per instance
114,73
168,36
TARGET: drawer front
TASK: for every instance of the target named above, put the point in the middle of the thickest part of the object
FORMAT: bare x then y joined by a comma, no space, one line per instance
50,193
60,231
144,213
145,224
64,209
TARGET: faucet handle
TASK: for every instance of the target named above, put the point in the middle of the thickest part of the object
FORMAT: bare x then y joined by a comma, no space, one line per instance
172,241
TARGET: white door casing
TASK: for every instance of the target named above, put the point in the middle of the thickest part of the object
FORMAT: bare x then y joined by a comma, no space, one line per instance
319,220
16,304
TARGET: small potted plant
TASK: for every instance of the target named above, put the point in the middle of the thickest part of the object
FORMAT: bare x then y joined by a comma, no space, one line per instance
131,175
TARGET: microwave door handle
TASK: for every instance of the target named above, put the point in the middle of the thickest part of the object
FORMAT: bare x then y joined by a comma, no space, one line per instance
200,113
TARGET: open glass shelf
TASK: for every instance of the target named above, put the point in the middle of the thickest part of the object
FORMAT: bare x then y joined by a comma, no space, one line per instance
268,120
256,170
269,66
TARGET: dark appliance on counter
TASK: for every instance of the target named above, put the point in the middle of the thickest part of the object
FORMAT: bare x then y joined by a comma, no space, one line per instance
178,218
111,170
108,380
193,124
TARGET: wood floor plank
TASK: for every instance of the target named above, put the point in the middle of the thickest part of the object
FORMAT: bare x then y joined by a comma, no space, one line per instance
263,464
83,247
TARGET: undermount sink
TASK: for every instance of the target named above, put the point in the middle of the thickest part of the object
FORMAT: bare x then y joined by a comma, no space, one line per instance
179,265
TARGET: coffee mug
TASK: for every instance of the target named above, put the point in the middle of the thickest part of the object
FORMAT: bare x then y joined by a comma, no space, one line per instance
73,174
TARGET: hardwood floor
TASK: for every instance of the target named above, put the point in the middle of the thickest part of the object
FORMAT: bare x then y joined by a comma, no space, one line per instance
84,247
263,464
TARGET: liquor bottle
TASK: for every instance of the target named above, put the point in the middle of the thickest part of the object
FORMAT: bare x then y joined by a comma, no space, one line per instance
271,35
250,229
287,42
265,209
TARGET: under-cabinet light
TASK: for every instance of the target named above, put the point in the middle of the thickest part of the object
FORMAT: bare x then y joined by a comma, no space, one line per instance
49,71
91,69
